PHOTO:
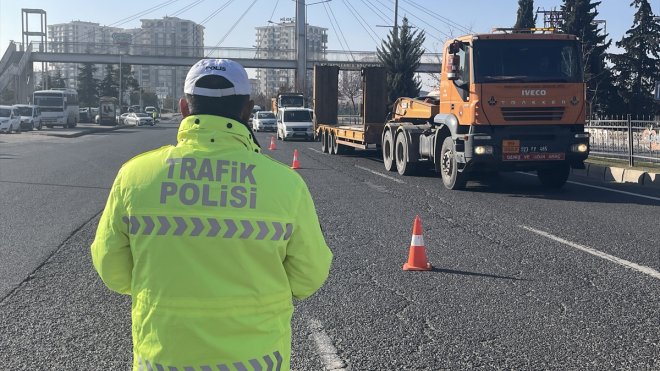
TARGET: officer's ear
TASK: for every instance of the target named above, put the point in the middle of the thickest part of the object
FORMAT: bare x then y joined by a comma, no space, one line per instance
183,107
247,110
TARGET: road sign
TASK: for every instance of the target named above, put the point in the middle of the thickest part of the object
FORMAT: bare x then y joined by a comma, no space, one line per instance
122,38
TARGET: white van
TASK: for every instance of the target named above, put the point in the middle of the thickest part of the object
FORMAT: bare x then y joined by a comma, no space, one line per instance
295,123
30,116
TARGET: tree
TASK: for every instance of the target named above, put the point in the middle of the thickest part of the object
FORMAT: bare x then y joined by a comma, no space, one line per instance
638,67
401,54
262,101
88,86
108,86
526,18
57,81
350,87
128,81
578,19
7,96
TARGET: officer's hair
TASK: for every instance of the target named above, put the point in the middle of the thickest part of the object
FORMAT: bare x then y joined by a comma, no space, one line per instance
229,106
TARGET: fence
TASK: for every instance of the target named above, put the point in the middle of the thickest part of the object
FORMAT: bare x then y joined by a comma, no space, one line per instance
611,138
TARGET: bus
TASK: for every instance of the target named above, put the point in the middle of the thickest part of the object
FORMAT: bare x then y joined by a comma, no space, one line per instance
58,107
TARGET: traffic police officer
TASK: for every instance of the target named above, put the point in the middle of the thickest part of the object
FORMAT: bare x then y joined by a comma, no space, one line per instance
211,238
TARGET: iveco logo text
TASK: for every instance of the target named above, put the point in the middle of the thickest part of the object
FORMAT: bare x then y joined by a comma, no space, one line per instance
532,93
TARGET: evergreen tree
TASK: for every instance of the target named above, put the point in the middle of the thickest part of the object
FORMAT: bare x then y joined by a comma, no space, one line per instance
638,68
57,81
128,81
579,16
526,18
108,86
401,54
88,86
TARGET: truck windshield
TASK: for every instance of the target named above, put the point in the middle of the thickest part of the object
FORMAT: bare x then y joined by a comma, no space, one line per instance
49,100
297,116
497,61
291,101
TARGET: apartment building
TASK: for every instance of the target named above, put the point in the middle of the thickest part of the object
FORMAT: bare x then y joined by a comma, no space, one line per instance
79,37
169,36
278,41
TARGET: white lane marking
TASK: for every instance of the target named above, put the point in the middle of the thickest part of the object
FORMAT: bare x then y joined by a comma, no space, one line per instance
327,351
605,188
380,174
314,149
640,268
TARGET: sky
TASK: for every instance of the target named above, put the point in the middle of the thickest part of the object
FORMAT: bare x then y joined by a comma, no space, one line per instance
352,24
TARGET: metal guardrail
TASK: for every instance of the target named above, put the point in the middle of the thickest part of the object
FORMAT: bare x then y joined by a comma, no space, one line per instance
625,138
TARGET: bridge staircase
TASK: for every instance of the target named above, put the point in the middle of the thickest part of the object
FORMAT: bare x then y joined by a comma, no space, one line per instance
16,73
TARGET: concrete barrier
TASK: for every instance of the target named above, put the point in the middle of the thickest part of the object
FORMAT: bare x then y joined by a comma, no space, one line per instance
633,176
613,174
596,171
651,180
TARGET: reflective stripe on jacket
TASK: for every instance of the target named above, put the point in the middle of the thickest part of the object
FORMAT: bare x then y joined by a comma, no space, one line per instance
212,239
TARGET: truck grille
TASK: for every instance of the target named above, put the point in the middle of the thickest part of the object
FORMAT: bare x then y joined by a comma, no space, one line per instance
532,113
299,129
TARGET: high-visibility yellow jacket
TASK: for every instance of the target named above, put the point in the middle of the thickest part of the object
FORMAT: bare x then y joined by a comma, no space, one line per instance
212,239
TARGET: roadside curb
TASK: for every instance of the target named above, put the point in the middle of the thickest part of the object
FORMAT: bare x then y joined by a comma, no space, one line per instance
86,131
619,175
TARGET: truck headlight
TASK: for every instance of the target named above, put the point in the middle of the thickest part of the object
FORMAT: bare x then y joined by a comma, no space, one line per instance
580,148
483,150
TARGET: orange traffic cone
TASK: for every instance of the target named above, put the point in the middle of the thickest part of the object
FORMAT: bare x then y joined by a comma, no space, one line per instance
272,146
296,164
417,255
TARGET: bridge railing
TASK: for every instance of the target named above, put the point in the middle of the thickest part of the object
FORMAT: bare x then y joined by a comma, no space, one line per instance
215,52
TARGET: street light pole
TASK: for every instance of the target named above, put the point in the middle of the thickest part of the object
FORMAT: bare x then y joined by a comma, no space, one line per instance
301,49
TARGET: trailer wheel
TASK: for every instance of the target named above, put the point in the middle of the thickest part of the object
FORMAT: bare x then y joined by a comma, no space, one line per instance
388,151
401,156
555,177
324,142
451,178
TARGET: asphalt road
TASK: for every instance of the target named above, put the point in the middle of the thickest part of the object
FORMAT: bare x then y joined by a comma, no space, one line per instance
523,278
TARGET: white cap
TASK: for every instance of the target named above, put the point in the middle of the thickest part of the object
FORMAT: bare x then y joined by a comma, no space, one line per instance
230,70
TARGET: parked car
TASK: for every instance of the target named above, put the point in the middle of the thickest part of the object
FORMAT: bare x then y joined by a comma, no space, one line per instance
121,118
264,121
9,120
149,110
138,119
30,116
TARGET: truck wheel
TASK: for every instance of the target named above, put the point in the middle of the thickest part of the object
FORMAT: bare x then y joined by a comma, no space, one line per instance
554,177
324,142
451,178
401,156
388,151
332,144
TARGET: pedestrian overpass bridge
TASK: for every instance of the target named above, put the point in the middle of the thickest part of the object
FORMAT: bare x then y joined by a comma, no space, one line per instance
16,65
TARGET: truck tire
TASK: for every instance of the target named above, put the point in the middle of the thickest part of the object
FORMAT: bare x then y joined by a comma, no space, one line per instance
325,148
332,144
555,177
388,151
451,177
401,156
340,149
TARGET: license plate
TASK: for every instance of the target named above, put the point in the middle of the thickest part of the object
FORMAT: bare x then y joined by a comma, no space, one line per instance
534,156
510,146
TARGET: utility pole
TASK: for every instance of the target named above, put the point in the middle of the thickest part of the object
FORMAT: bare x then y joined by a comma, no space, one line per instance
301,46
396,17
